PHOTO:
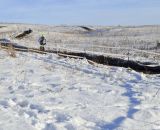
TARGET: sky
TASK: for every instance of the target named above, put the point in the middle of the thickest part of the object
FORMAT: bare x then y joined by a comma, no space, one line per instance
81,12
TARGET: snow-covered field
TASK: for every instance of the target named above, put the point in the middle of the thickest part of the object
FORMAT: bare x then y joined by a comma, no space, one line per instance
48,92
106,40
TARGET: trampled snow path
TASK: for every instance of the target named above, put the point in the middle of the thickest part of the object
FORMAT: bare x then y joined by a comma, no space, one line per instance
47,92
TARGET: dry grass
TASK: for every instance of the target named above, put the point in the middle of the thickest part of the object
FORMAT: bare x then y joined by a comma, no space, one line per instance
11,51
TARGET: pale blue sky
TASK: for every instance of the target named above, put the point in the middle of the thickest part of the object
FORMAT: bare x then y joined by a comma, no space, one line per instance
81,12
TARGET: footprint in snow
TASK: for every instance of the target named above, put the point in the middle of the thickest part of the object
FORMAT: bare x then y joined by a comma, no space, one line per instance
1,79
55,101
39,108
70,127
21,87
60,117
4,103
10,88
7,103
11,91
31,114
23,103
49,126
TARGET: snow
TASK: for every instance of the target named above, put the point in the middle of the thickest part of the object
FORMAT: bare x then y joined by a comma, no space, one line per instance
106,40
49,92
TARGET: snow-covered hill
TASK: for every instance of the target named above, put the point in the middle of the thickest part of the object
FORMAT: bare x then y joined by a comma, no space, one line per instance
48,92
106,40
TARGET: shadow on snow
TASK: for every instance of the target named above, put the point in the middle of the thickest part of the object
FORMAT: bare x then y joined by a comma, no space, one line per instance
131,110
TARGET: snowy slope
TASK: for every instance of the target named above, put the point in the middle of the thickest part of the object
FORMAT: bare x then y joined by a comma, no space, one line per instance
47,92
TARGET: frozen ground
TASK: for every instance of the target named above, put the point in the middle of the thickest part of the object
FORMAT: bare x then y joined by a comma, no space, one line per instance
48,92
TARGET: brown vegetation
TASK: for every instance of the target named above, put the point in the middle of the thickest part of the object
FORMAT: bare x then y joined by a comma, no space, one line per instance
11,51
